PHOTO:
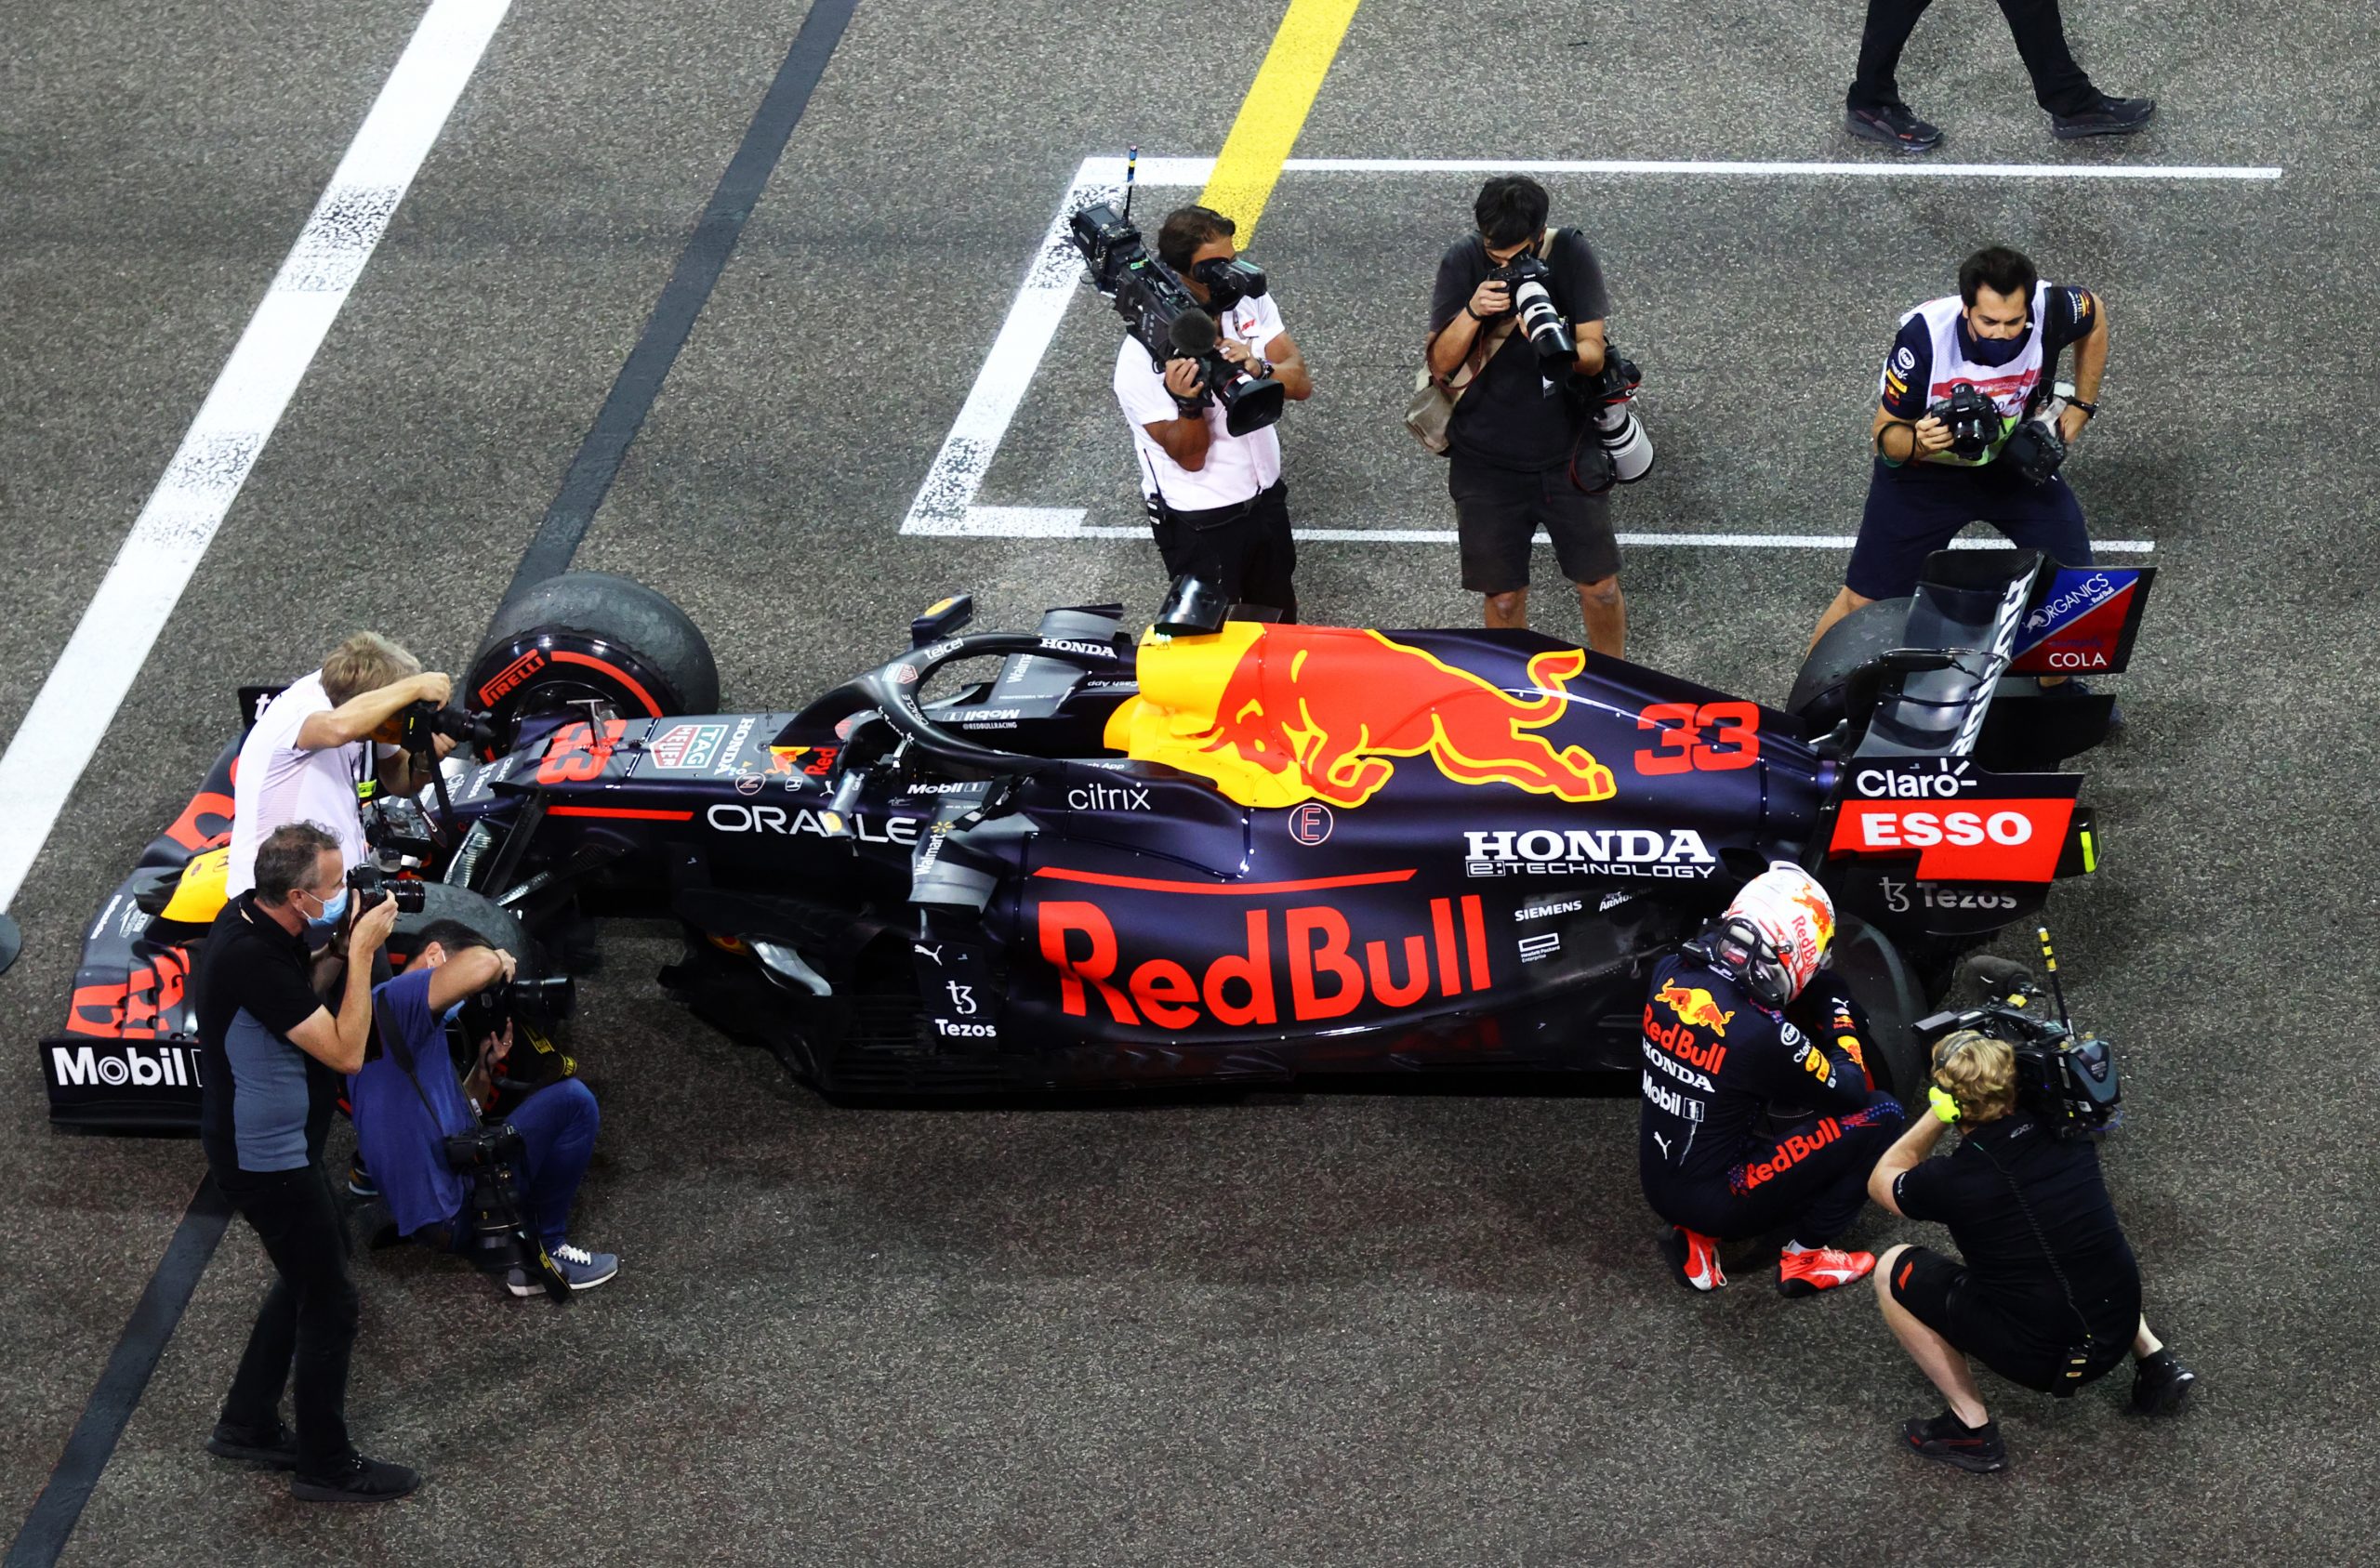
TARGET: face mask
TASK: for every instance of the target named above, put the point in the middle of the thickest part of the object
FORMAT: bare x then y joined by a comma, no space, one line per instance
334,911
1994,350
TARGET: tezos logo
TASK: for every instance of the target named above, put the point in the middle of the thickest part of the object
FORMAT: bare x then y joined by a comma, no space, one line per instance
1631,852
1311,823
965,1031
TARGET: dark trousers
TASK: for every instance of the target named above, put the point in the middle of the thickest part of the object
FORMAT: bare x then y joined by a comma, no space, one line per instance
2059,85
557,1127
1245,550
307,1324
1812,1179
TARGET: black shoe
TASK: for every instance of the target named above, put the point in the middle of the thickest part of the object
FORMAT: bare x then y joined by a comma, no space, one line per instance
1895,126
362,1481
275,1446
1954,1442
359,1180
2161,1385
2114,116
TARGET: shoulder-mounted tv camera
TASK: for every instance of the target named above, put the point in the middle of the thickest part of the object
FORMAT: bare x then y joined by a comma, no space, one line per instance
2067,1081
1165,319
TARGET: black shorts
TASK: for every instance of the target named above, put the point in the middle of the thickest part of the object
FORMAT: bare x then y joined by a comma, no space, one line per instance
1935,1290
1918,509
1246,550
1498,512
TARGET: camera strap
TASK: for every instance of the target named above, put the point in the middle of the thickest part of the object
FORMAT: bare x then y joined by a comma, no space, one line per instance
402,1051
2075,1363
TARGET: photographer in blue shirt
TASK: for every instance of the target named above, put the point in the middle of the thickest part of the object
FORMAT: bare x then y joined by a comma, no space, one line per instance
409,1100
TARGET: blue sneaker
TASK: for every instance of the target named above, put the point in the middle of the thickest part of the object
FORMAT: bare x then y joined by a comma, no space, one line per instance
359,1180
582,1269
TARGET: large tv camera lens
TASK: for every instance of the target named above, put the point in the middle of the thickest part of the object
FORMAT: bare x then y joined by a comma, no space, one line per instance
1249,404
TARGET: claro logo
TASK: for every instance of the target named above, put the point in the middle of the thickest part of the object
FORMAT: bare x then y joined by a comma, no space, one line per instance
122,1067
1301,964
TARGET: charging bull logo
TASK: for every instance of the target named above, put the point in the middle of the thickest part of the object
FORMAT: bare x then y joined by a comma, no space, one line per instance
1695,1007
1281,715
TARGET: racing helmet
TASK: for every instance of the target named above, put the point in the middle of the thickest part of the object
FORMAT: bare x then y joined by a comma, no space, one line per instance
1775,933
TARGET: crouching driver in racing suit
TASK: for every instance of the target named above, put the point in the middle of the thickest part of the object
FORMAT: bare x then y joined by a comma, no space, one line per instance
1751,1124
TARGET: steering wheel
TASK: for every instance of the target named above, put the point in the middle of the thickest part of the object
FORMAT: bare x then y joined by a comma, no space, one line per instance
892,691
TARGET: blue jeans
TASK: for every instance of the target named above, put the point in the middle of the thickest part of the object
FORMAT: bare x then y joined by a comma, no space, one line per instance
557,1127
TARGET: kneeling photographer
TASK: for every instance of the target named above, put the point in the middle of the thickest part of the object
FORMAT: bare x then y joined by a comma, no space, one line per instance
1971,426
2048,1294
417,1124
1201,378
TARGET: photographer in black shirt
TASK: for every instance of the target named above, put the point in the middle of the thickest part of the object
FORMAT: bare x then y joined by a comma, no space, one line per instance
2049,1294
1521,444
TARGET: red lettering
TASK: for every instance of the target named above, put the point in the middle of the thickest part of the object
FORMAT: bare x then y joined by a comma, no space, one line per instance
1255,972
1417,973
1055,920
1475,930
1442,927
107,1021
1165,993
190,831
511,676
1331,957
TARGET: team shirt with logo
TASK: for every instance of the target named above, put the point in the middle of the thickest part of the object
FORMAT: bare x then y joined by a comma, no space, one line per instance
1236,467
1931,354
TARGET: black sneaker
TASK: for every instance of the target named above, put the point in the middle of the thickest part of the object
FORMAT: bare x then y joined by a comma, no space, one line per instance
362,1481
2161,1385
2114,116
1952,1442
275,1446
359,1180
1895,126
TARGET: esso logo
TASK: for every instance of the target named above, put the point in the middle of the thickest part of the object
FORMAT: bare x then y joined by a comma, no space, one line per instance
1917,830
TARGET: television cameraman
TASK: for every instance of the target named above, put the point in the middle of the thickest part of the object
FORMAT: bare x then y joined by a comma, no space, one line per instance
1216,501
2049,1295
2000,336
408,1101
305,761
1521,453
270,1054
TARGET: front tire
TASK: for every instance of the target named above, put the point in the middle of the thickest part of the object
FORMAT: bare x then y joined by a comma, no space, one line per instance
592,636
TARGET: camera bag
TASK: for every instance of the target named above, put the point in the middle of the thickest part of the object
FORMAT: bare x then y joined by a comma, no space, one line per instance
1432,408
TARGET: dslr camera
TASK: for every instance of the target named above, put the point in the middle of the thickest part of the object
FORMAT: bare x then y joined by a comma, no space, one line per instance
2067,1080
1165,320
1973,418
368,882
1541,319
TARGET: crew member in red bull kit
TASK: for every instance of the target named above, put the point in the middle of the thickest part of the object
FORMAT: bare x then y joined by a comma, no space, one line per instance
1943,460
1749,1124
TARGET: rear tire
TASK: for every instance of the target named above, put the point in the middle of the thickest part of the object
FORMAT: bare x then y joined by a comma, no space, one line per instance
488,920
1855,641
593,636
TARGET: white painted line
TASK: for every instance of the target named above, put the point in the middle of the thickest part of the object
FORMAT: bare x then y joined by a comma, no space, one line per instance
944,505
1902,168
1061,522
46,756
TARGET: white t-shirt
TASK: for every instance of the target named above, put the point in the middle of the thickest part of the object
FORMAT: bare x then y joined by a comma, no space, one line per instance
279,785
1238,467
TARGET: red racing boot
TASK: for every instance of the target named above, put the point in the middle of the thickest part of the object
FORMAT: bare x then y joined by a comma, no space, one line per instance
1823,1268
1694,1259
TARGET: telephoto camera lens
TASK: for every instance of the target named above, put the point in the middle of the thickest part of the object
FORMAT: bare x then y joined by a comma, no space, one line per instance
1542,324
1623,437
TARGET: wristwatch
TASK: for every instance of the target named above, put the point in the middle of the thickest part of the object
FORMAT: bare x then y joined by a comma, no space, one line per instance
1261,369
2066,389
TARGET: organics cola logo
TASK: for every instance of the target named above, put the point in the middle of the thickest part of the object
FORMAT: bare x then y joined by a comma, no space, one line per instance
1304,964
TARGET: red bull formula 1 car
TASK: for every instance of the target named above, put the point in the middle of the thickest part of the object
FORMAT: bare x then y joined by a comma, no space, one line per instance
1230,853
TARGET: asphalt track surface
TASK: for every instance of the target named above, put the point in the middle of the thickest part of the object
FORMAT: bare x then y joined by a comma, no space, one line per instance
1291,1328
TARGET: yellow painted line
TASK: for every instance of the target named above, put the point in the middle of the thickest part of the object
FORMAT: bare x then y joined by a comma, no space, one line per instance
1275,111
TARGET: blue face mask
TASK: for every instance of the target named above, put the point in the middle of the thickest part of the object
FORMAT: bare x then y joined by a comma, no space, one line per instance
1992,350
334,911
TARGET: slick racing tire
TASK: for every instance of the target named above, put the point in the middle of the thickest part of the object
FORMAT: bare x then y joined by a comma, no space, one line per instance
591,636
488,920
1873,970
1855,641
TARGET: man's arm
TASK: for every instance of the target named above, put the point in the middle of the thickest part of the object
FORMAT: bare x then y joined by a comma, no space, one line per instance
1289,367
361,714
338,1043
2090,365
1454,341
1590,338
1924,1130
399,776
1925,436
467,974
